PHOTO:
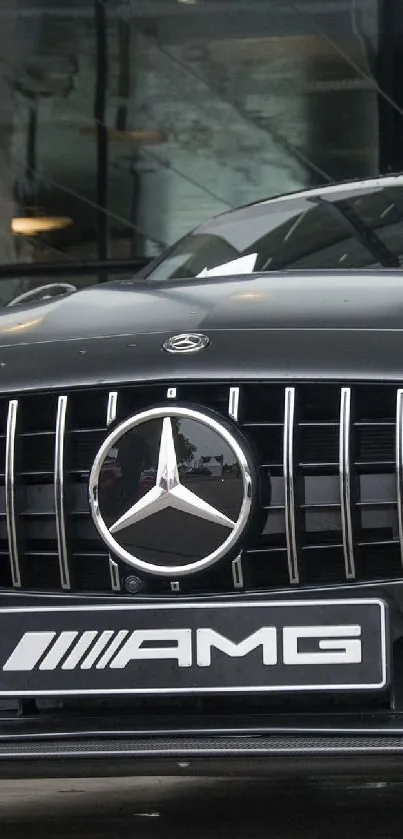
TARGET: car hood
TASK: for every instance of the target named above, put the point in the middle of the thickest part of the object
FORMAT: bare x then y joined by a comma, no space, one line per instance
285,326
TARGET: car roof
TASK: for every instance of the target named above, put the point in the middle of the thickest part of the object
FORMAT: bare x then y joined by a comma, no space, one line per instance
365,184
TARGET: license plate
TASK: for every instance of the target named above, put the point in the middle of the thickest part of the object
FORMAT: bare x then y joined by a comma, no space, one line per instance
249,647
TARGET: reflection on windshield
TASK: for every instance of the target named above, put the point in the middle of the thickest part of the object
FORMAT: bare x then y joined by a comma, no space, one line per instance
243,265
352,229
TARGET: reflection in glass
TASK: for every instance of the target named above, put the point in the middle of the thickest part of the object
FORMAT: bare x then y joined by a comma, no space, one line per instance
138,121
207,467
360,227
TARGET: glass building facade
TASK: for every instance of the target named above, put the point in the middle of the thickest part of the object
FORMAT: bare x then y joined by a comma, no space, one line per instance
124,123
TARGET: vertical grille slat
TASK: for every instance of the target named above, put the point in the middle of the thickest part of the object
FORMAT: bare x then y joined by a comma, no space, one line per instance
289,485
233,412
10,493
237,572
59,490
111,414
112,409
233,403
345,482
399,466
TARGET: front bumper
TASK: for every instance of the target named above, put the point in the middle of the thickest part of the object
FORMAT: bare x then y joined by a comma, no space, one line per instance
288,736
371,746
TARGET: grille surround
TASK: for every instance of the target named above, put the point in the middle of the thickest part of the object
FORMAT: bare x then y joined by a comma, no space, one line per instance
330,461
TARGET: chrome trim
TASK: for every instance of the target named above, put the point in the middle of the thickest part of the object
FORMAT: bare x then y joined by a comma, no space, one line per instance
168,483
171,393
10,493
237,572
233,402
111,414
112,408
114,575
399,466
169,492
187,342
345,482
289,485
59,492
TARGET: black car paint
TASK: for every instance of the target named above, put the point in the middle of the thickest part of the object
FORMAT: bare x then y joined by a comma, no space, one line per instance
276,323
341,326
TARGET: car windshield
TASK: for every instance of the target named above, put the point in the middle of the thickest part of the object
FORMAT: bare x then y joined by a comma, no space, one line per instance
352,227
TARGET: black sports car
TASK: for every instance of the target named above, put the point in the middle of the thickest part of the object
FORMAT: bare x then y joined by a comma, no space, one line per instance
201,502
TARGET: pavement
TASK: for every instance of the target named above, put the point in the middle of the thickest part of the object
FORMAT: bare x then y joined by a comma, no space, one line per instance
200,809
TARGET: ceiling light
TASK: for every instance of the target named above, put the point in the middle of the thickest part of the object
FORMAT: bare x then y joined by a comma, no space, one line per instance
148,136
34,226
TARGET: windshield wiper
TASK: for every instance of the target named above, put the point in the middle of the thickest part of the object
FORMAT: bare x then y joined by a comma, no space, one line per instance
361,232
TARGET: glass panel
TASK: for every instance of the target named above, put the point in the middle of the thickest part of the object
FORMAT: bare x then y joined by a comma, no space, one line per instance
125,124
300,233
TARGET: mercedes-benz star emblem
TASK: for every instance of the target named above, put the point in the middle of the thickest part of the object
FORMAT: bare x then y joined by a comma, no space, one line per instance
189,342
171,490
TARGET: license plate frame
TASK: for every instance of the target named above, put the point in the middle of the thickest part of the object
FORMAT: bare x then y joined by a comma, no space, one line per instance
48,675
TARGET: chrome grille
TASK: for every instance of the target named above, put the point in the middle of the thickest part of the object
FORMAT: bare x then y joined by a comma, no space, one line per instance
330,461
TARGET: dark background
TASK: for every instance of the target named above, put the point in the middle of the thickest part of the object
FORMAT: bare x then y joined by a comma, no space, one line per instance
176,808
